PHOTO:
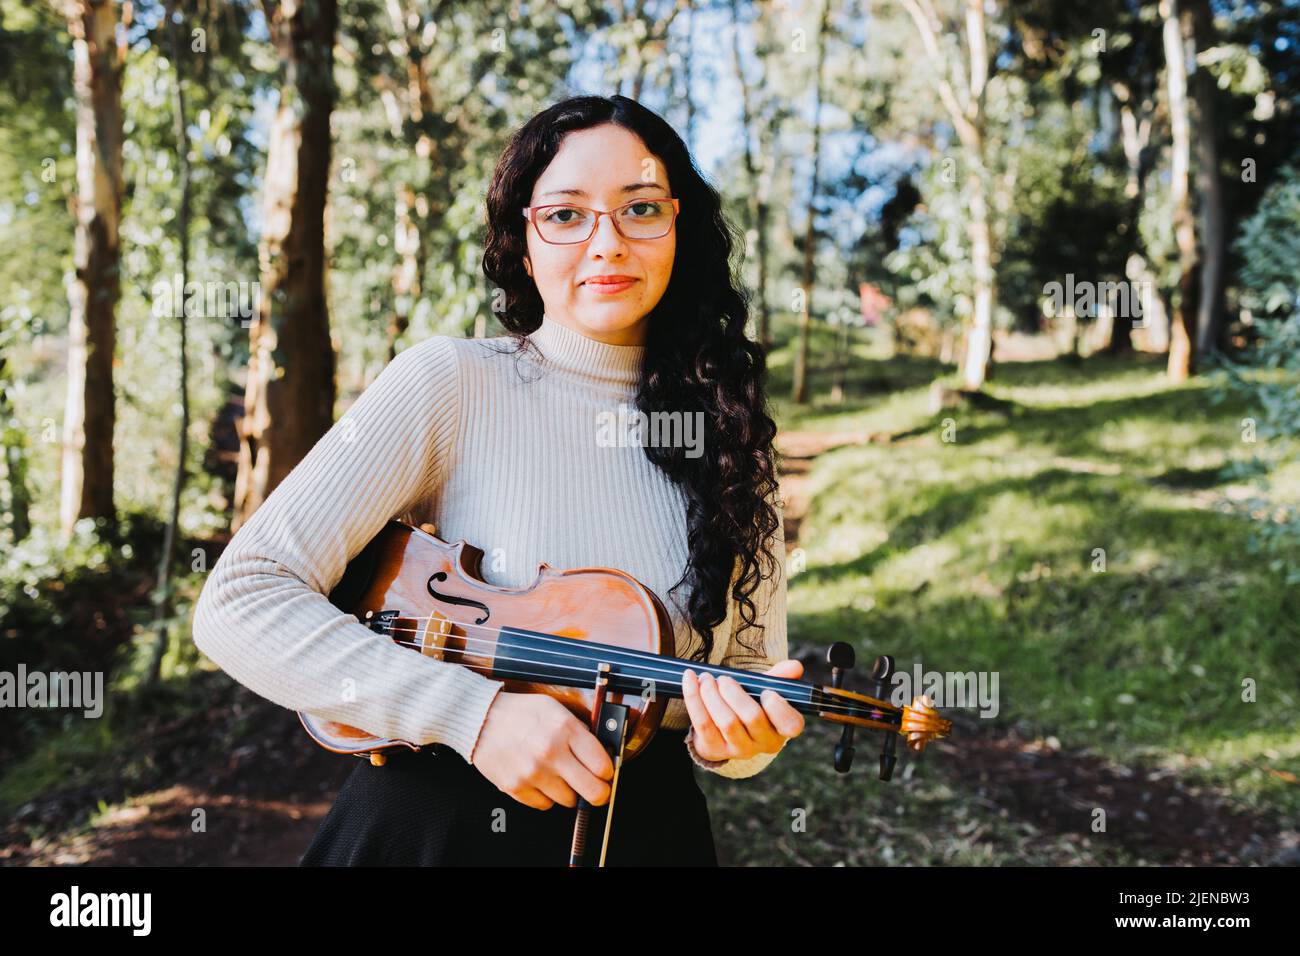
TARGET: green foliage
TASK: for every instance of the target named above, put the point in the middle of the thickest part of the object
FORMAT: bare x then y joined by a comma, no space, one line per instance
37,165
1268,375
74,605
1269,246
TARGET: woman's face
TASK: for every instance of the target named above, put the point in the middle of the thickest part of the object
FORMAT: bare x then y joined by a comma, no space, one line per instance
602,167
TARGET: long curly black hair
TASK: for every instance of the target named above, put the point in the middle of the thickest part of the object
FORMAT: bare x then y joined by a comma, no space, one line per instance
697,355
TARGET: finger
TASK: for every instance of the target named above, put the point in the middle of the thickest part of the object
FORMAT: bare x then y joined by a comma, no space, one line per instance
749,711
727,720
707,735
752,713
790,668
787,721
532,797
553,785
575,773
590,752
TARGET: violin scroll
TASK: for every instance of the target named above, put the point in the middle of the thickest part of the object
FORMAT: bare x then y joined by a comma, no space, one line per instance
922,723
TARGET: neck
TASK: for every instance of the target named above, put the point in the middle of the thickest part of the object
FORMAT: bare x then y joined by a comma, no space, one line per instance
596,362
632,335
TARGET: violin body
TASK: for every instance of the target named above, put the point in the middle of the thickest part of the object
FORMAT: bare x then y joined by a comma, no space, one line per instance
448,612
595,639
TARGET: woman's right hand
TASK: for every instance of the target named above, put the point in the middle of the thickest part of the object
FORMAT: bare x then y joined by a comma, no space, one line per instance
532,748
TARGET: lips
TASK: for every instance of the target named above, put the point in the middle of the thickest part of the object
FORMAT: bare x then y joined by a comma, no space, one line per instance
609,285
609,280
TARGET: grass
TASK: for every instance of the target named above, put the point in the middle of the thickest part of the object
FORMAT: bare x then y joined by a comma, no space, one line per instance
1083,544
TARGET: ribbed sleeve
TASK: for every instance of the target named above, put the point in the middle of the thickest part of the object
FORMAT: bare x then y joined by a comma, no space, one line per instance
770,610
263,616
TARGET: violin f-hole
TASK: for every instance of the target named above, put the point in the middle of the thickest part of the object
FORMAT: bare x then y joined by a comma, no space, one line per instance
441,576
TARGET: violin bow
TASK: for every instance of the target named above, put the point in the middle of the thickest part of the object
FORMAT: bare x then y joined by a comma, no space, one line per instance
609,724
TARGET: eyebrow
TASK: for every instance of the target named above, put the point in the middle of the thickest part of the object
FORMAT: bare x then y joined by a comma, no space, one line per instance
631,187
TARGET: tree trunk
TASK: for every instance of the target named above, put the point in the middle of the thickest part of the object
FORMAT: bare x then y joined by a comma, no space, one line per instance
1209,314
800,390
289,403
1182,346
688,74
90,412
757,206
655,36
13,442
965,106
979,343
410,233
162,593
408,273
1134,136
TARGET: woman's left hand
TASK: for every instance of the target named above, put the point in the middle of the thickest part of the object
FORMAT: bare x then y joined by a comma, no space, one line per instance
730,725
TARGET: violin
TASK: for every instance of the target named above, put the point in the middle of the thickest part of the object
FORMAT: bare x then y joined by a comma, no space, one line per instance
595,639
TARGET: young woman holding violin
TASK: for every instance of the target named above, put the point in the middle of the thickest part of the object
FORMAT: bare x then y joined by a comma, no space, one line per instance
613,262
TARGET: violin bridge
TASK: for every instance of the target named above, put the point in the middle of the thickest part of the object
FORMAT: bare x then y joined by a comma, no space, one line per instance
433,634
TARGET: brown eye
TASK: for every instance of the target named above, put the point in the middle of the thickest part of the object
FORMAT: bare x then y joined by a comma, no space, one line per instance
646,209
558,215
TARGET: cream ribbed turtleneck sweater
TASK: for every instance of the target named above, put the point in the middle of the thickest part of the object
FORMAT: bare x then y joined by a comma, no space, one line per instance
498,449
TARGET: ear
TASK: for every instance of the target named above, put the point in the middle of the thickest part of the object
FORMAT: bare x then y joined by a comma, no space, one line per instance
528,267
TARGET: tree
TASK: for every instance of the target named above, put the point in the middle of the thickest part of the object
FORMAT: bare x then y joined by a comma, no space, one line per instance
800,390
961,89
89,416
162,592
1131,63
645,36
289,401
1211,212
758,164
1182,345
412,109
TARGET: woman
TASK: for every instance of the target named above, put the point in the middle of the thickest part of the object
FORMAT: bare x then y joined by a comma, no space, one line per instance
612,255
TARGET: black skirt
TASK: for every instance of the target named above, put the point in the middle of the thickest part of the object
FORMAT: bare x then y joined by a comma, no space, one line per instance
432,808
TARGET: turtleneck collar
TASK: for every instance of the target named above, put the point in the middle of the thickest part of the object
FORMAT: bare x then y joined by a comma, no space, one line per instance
618,366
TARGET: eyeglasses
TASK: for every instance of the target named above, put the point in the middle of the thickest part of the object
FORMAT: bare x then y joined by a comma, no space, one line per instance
562,224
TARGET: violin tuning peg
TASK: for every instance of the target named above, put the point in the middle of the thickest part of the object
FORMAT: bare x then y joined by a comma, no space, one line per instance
841,658
887,762
887,758
841,655
844,751
882,672
883,668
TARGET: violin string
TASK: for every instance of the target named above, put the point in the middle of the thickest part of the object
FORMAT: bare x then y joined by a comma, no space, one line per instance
850,708
590,664
649,658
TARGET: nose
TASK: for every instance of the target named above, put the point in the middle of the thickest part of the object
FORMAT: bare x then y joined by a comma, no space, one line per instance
606,240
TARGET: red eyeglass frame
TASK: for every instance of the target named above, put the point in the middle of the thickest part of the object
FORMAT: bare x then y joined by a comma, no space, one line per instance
530,213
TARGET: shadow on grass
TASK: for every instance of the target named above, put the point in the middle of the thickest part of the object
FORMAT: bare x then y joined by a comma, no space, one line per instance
942,509
1077,429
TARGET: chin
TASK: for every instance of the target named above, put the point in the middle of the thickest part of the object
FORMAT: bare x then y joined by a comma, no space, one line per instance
615,317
